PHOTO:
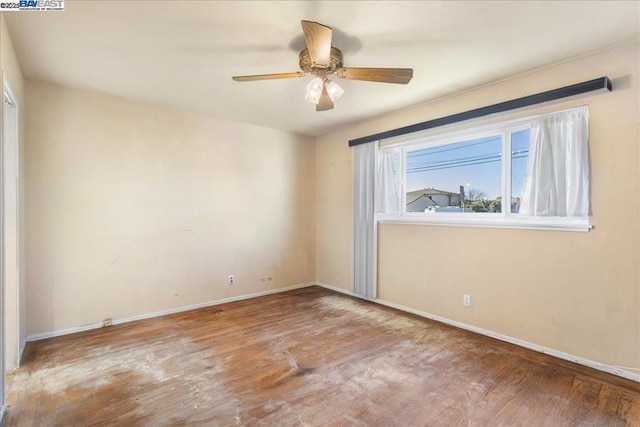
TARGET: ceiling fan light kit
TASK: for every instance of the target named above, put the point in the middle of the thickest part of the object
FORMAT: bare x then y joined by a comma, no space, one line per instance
321,59
316,87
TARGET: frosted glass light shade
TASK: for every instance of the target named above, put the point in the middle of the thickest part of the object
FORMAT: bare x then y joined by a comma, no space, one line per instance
334,90
314,90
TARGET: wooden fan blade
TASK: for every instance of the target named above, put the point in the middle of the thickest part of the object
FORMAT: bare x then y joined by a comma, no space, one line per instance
269,76
325,101
381,75
318,39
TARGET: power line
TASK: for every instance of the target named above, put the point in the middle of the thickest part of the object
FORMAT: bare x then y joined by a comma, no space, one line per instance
463,164
435,168
460,159
420,152
463,160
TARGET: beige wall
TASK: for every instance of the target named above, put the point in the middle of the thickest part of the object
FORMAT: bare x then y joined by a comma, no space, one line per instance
578,293
14,302
134,209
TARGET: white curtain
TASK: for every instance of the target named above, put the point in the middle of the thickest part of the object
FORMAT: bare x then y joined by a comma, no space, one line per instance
387,184
364,222
557,182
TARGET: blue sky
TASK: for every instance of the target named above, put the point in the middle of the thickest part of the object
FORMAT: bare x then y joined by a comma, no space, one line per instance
475,164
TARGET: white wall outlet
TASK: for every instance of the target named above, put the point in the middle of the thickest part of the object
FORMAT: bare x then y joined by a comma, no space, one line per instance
466,300
232,279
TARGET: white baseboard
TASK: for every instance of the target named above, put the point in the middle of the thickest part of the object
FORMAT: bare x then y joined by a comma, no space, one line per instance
531,346
210,303
337,289
66,331
21,351
97,325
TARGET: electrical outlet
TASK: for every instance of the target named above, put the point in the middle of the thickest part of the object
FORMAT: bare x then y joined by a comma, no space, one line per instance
107,322
466,300
232,279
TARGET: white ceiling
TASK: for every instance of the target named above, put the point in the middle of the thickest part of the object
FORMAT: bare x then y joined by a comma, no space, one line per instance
183,53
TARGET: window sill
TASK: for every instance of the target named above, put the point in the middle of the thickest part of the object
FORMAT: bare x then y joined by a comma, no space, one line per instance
490,221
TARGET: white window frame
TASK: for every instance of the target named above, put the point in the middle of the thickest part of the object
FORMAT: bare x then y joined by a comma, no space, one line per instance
504,219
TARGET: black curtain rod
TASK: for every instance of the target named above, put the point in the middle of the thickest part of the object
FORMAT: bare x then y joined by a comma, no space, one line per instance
538,98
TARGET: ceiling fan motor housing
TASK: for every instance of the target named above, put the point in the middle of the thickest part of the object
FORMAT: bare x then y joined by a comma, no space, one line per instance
307,65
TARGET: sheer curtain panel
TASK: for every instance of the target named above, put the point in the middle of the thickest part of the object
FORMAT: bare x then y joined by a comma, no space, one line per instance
364,223
557,182
387,183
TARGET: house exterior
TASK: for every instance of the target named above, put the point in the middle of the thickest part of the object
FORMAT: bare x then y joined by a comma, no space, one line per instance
431,199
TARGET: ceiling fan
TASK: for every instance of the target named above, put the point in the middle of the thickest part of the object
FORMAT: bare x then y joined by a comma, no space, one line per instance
321,59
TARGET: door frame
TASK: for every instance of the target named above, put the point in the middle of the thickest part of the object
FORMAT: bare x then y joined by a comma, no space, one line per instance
8,102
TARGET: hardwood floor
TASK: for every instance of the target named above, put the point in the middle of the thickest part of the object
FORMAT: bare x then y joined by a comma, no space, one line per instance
308,357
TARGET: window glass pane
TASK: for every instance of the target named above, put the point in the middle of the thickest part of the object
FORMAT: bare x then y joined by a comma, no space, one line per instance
460,177
519,159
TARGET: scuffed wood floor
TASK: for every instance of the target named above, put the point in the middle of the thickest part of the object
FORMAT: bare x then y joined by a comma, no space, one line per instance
308,357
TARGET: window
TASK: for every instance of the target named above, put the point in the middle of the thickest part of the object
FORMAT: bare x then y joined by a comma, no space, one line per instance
485,177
